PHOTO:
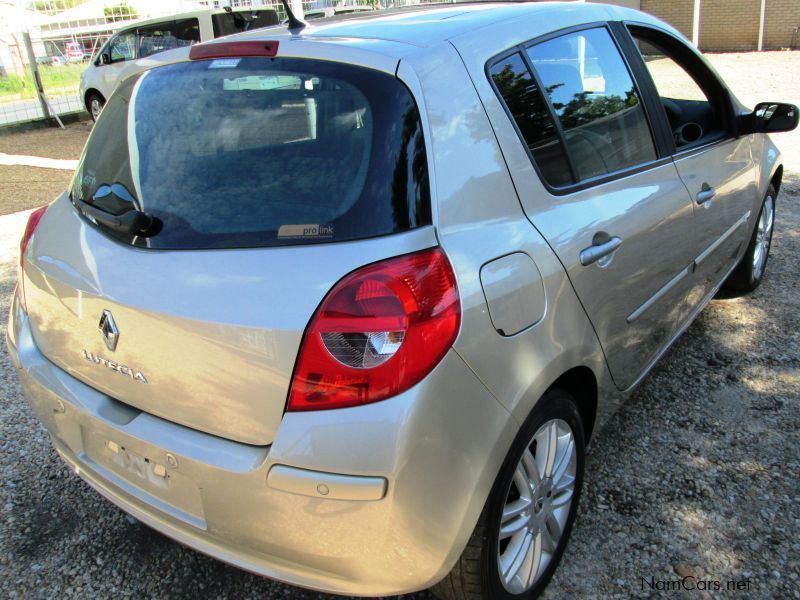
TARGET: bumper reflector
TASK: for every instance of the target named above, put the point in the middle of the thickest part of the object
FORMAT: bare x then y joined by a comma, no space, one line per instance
329,486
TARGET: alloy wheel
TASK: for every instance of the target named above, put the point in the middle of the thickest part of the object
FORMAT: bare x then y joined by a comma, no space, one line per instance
537,506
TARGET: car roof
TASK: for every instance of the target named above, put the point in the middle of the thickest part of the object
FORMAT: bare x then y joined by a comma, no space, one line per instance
425,25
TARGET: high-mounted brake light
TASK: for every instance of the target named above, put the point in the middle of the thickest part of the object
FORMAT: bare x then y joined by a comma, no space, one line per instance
233,49
379,331
33,222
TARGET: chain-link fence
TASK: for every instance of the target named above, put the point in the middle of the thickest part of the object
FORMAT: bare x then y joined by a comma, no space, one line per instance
46,45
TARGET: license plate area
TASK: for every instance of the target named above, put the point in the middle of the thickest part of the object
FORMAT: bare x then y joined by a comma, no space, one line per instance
144,472
138,467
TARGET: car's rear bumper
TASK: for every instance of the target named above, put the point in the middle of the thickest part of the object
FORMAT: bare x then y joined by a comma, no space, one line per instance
430,455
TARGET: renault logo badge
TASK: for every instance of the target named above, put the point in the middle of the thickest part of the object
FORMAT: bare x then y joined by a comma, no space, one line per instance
109,330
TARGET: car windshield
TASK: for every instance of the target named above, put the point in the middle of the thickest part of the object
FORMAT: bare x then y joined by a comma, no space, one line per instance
250,152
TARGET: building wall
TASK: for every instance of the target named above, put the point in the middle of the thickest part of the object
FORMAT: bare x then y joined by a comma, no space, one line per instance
677,13
730,25
782,18
627,3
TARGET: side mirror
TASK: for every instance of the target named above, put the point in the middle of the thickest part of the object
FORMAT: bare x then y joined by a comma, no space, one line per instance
770,117
105,58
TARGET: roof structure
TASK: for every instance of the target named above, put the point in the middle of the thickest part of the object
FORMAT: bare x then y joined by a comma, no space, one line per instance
424,25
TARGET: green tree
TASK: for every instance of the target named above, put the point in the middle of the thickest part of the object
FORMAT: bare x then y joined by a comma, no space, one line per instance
55,6
120,12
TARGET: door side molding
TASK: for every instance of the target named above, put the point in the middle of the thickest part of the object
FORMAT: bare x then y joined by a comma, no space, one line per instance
721,239
660,293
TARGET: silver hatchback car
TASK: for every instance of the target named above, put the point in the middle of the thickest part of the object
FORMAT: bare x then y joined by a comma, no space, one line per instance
343,305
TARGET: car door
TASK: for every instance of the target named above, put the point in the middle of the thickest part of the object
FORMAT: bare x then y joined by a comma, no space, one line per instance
716,167
600,188
119,53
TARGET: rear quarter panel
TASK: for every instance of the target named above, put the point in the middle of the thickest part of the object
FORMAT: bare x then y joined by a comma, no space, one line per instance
479,218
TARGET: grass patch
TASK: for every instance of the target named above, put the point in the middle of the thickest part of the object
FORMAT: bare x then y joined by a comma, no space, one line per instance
56,80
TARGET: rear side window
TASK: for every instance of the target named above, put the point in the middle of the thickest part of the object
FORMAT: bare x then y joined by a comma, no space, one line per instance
167,36
235,22
596,102
529,110
254,152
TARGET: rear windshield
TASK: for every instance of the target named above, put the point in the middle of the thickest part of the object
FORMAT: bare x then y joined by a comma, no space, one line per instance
255,152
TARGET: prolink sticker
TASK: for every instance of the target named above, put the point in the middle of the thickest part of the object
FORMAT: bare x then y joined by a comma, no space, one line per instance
224,63
310,231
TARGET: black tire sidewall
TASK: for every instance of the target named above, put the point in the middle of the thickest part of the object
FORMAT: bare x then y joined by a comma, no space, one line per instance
555,404
94,96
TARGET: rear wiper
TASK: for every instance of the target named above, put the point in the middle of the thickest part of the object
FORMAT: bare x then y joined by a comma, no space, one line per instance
131,221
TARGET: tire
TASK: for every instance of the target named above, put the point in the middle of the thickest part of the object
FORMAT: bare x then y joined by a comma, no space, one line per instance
94,104
749,274
477,574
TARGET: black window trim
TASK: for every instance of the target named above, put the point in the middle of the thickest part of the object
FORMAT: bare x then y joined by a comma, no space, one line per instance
657,117
562,137
656,135
707,80
518,49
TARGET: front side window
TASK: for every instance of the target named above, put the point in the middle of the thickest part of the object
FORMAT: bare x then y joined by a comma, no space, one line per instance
596,102
255,152
123,47
692,115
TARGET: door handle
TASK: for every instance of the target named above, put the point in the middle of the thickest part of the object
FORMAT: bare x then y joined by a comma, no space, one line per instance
705,194
597,251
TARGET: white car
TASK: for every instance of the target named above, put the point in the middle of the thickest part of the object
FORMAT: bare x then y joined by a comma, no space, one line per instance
332,11
132,49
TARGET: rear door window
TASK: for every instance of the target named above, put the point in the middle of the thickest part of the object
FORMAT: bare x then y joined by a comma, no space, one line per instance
252,152
595,100
528,108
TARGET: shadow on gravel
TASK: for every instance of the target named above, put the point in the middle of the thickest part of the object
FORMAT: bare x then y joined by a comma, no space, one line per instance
696,475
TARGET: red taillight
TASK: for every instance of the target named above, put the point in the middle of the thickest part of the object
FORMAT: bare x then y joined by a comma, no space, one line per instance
33,223
378,332
233,50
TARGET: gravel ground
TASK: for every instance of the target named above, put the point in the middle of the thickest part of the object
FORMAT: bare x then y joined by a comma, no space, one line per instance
22,188
698,474
28,187
52,142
